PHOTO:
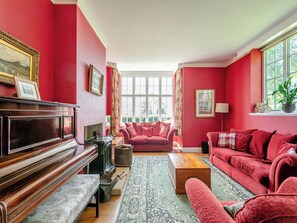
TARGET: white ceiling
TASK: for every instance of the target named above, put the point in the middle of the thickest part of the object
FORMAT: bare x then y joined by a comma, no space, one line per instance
159,34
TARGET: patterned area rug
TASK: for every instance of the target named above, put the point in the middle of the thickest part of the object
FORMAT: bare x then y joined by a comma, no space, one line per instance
149,195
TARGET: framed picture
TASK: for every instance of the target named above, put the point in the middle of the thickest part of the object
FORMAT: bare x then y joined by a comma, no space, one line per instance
17,59
205,103
26,89
95,81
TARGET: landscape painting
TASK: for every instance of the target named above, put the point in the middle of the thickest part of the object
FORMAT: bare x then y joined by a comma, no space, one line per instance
205,103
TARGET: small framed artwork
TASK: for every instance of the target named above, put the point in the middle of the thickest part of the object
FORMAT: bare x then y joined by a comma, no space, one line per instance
26,89
95,81
205,103
17,59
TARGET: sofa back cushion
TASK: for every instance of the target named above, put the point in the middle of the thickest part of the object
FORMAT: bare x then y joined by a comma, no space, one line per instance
128,124
138,127
131,131
164,129
227,140
148,131
242,142
275,143
280,208
259,143
154,125
242,131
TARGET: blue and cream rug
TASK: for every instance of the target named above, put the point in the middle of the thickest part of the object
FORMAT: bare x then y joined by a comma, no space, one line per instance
150,197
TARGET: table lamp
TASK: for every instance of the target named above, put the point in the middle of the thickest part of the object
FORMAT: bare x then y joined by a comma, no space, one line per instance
222,108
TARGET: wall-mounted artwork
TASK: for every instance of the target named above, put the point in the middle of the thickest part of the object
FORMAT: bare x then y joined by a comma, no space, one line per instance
17,60
26,89
95,81
205,103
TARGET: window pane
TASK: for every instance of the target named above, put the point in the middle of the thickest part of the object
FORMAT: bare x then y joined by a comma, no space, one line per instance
279,50
293,63
127,85
270,72
140,109
140,85
127,106
279,68
166,85
293,44
153,85
270,55
166,107
153,105
270,86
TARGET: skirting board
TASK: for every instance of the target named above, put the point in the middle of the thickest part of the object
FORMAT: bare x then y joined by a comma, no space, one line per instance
187,149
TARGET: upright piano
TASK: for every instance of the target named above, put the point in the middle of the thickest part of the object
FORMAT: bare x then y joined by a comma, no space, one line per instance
38,153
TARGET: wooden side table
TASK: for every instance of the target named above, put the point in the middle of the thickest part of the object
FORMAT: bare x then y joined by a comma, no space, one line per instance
115,142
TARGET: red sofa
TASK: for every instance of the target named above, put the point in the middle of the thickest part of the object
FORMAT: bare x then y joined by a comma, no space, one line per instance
275,207
149,136
260,172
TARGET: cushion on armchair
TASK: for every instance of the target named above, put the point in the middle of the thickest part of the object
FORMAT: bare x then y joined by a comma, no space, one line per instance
280,208
275,145
259,143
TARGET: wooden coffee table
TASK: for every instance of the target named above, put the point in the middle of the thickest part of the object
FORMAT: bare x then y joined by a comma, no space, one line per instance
183,166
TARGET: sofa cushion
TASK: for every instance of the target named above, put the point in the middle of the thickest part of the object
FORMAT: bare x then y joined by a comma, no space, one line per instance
279,208
275,144
242,131
157,140
137,127
259,143
131,131
155,126
242,142
227,140
287,148
164,129
139,140
226,154
253,167
128,124
148,131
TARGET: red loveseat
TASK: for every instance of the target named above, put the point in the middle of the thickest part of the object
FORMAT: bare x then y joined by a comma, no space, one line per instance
149,136
261,163
275,207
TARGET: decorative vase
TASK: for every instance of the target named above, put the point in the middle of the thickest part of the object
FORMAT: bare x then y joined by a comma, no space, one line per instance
288,108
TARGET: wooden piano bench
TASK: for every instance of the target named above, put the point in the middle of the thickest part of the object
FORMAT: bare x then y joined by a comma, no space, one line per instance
69,201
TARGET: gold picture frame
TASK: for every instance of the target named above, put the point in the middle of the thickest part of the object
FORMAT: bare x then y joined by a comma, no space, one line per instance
17,60
26,89
95,81
205,103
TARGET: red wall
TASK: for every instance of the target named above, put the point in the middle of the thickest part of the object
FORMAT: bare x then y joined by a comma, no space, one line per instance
243,90
90,50
195,129
31,22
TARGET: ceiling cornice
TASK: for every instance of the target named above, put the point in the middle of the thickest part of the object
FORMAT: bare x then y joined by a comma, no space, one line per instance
222,64
64,2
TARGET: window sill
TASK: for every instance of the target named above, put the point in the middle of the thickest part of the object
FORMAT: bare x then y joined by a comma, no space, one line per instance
274,113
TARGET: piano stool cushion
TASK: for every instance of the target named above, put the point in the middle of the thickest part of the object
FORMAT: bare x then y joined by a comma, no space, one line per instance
68,202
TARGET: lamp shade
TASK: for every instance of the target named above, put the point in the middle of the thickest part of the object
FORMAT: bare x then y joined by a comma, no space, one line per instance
222,107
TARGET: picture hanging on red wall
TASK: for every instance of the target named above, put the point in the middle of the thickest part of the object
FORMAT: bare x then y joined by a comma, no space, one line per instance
17,60
204,103
95,81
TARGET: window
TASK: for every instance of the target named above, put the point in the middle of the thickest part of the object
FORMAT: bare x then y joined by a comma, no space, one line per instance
280,63
146,98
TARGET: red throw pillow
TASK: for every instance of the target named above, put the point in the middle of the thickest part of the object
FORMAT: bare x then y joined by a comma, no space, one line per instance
227,140
275,144
164,129
242,131
138,127
259,143
286,148
132,131
128,124
148,131
156,128
269,208
242,142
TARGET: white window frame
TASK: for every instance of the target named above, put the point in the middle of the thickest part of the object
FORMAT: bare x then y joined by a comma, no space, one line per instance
160,75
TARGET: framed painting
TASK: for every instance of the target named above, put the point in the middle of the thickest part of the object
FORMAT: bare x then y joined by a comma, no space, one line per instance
17,60
95,81
26,89
205,103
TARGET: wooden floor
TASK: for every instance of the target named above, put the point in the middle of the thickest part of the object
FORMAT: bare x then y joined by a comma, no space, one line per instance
109,210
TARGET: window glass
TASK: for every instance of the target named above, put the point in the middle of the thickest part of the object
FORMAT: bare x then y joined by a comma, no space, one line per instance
127,85
166,86
140,85
153,85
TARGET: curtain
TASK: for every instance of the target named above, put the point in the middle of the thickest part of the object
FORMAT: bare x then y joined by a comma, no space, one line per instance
115,104
178,102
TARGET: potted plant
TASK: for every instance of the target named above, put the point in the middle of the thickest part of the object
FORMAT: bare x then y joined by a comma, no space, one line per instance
288,95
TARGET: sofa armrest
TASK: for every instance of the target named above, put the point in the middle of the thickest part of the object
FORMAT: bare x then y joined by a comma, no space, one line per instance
170,134
213,138
205,204
126,135
282,167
